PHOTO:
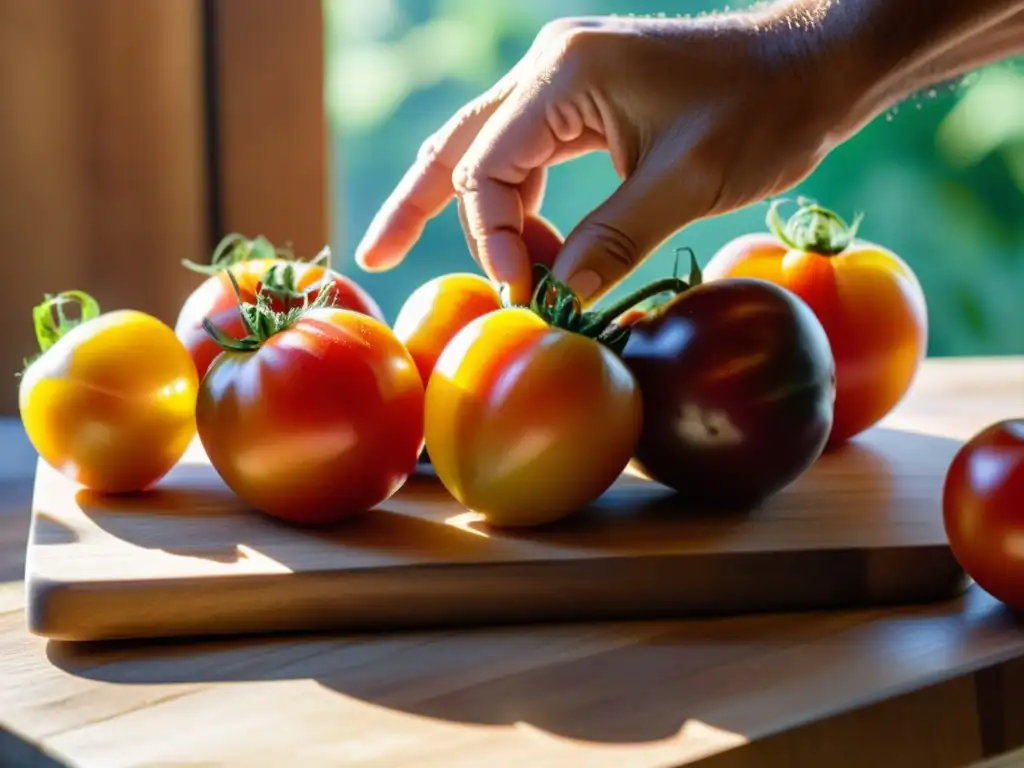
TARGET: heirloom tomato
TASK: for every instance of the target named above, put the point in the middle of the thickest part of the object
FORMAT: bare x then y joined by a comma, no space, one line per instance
438,310
315,415
983,510
531,414
868,300
111,400
258,268
442,307
738,383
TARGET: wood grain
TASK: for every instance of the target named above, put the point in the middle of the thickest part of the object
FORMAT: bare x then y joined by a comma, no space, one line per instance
838,689
102,158
934,686
863,527
271,131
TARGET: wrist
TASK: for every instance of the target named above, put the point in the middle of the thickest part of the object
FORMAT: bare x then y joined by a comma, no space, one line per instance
867,52
832,82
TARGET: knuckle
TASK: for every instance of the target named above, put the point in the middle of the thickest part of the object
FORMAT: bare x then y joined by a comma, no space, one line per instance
568,37
555,29
430,150
466,178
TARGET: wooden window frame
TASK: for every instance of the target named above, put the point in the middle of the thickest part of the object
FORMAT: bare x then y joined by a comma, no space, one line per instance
136,133
267,124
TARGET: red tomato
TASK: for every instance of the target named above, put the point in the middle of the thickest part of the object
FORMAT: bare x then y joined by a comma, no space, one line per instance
530,412
317,415
257,268
983,510
438,310
867,299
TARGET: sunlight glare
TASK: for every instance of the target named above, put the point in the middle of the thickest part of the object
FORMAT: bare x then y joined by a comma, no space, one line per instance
465,521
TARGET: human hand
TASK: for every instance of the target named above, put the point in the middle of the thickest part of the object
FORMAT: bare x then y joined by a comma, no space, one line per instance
701,116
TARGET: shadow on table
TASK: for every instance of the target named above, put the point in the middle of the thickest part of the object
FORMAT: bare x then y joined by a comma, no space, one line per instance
17,752
603,683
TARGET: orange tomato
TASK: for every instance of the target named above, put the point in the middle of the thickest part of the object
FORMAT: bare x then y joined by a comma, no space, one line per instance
868,300
531,413
438,310
111,400
526,423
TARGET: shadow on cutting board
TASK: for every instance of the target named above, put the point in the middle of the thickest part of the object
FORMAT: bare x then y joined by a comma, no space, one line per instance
633,683
192,519
193,515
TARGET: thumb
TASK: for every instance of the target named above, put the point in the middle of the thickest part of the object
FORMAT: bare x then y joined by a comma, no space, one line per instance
621,232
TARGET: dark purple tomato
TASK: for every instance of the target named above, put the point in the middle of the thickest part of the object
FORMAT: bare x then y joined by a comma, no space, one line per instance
738,385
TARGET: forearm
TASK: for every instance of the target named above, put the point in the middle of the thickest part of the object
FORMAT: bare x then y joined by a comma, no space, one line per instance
996,42
875,52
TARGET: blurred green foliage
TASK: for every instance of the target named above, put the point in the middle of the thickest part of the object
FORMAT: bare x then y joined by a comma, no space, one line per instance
940,177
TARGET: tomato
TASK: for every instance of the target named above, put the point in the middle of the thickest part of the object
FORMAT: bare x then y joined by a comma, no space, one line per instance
316,415
110,402
438,310
257,267
738,383
983,510
530,412
868,300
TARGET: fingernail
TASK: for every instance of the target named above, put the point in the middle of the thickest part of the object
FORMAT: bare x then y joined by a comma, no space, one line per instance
585,283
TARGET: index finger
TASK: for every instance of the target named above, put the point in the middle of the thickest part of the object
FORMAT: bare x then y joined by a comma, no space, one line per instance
426,188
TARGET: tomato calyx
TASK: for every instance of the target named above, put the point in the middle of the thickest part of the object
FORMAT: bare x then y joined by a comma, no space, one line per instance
559,306
237,249
813,228
52,322
279,281
261,320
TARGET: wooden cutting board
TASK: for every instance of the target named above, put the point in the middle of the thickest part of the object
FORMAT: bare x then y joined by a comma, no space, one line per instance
862,527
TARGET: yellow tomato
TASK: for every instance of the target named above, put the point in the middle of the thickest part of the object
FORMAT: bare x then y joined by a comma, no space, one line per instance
111,401
527,422
438,310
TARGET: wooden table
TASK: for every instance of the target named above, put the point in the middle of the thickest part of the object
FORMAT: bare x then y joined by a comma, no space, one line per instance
937,685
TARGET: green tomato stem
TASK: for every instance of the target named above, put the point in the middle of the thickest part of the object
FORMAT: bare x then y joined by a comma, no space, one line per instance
236,249
813,228
52,322
559,306
673,285
261,320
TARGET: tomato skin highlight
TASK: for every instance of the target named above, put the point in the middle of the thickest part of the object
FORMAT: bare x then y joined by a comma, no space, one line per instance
983,510
436,311
872,308
111,405
215,298
737,379
322,422
527,423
